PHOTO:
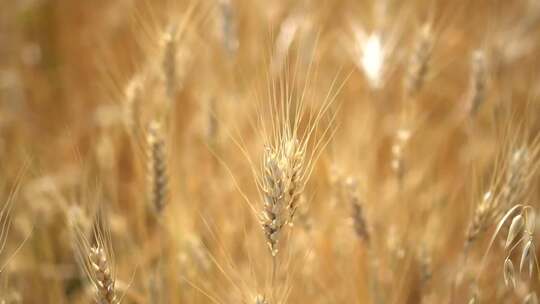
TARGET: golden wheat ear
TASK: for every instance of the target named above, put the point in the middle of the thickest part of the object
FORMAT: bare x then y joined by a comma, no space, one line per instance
361,227
157,176
93,249
131,107
519,164
478,82
483,213
418,66
294,137
170,45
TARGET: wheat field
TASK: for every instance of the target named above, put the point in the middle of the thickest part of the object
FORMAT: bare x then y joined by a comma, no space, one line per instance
269,152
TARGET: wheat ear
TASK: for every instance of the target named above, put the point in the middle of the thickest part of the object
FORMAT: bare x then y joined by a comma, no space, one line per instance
157,167
95,256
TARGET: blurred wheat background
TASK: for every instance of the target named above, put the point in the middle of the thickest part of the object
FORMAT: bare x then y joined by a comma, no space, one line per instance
265,152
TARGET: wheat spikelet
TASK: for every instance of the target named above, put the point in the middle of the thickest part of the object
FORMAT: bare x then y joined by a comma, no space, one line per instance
294,157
